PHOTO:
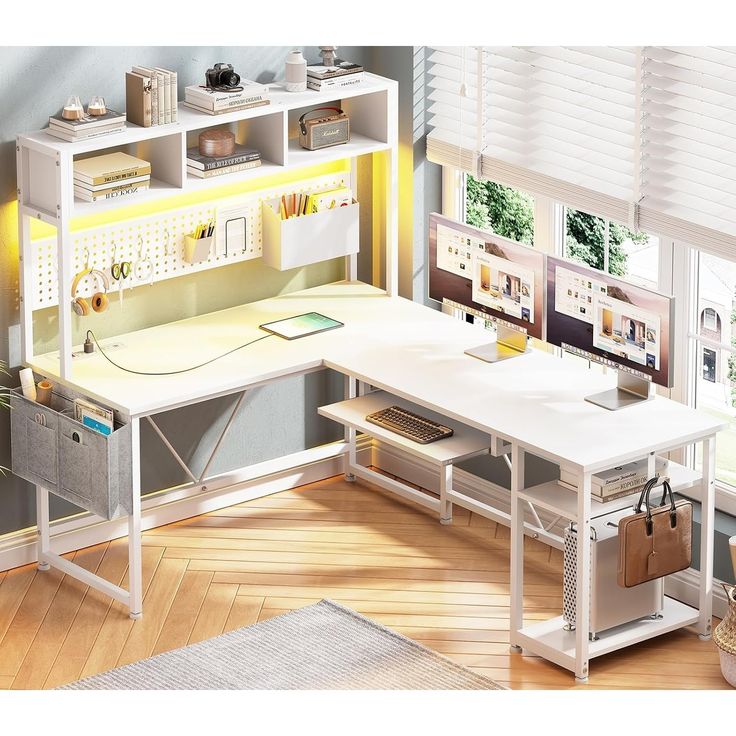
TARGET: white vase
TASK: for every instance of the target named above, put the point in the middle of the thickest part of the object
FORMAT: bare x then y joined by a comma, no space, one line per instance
296,72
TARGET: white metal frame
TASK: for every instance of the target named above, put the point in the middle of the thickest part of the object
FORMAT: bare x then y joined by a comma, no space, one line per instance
52,202
548,638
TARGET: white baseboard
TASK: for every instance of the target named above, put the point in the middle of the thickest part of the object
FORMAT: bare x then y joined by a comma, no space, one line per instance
84,530
685,587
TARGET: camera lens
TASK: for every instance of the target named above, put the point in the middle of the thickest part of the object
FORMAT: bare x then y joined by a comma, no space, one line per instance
229,79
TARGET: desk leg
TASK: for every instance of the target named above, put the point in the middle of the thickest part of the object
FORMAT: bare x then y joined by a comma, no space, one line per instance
135,569
707,520
42,525
582,609
351,391
517,545
445,485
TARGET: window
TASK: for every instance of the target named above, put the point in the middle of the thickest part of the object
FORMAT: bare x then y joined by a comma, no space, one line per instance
508,212
639,257
715,390
611,247
710,321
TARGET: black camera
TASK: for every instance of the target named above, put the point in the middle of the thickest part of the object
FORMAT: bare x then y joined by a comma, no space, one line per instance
222,76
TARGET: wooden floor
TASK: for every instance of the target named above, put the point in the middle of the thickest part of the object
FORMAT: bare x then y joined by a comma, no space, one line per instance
446,587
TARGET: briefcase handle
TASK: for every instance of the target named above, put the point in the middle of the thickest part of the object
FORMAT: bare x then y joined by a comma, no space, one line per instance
302,119
644,498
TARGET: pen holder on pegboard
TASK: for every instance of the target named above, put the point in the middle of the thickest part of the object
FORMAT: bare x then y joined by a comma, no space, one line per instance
197,250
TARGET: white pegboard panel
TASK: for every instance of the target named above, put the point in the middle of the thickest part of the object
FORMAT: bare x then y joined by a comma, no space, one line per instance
160,238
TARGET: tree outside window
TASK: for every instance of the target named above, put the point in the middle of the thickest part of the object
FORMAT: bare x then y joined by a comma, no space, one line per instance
507,211
611,247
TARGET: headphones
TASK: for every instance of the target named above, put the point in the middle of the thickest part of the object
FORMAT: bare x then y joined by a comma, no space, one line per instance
98,302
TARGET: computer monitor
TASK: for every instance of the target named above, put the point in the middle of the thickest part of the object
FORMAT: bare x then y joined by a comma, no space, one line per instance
613,322
489,277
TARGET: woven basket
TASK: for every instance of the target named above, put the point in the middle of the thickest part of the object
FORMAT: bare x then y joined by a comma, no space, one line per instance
725,634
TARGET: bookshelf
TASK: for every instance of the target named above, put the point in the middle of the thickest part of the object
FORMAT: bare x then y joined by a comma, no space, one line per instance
46,190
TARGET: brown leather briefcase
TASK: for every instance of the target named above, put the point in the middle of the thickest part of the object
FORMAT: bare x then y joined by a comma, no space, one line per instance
655,542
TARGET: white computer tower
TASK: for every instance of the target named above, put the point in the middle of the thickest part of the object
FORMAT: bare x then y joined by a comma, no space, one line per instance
610,604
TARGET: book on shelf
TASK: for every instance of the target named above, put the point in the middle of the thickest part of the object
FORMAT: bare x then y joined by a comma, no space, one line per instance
174,95
138,99
222,100
157,100
112,193
84,135
198,92
240,155
110,167
165,80
338,69
201,174
235,108
151,96
88,122
348,80
617,481
108,185
620,494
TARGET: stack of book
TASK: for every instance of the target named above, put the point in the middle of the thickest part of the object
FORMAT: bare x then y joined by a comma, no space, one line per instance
204,167
90,126
341,74
151,96
109,176
617,482
216,101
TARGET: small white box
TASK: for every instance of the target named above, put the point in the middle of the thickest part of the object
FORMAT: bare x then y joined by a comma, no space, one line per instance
320,236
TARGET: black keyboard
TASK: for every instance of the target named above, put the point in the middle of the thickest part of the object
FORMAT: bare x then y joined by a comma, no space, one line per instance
410,425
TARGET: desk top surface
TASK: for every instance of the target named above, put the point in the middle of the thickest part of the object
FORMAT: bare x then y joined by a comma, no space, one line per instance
400,346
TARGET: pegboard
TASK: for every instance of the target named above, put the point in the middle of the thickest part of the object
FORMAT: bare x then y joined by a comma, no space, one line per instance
159,238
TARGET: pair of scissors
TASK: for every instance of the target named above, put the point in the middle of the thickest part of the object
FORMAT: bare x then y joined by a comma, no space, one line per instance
119,270
40,418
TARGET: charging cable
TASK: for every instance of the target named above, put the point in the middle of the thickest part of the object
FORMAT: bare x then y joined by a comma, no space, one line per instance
91,335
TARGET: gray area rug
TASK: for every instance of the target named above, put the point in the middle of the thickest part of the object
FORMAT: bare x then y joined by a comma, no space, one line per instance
324,646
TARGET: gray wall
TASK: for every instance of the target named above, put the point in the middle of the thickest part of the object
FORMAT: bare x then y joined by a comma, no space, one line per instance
274,420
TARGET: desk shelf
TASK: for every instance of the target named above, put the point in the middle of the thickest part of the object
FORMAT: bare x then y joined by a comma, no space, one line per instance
465,443
558,499
271,129
551,640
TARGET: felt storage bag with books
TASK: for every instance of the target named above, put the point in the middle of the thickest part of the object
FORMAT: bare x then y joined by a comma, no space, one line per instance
655,542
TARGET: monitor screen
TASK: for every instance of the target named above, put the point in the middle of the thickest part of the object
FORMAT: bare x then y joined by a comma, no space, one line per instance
609,320
486,274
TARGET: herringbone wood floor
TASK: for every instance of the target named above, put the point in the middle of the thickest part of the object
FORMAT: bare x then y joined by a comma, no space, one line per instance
447,587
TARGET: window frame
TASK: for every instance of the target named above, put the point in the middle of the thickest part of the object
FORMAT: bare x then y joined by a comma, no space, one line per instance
678,274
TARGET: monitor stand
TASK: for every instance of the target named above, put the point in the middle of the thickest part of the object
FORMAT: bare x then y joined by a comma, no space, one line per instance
630,390
509,343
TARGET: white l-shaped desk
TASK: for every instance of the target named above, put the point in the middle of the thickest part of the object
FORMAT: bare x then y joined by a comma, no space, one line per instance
533,403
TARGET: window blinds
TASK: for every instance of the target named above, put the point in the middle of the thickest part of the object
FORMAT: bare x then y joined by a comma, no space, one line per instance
688,147
563,120
453,107
644,135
